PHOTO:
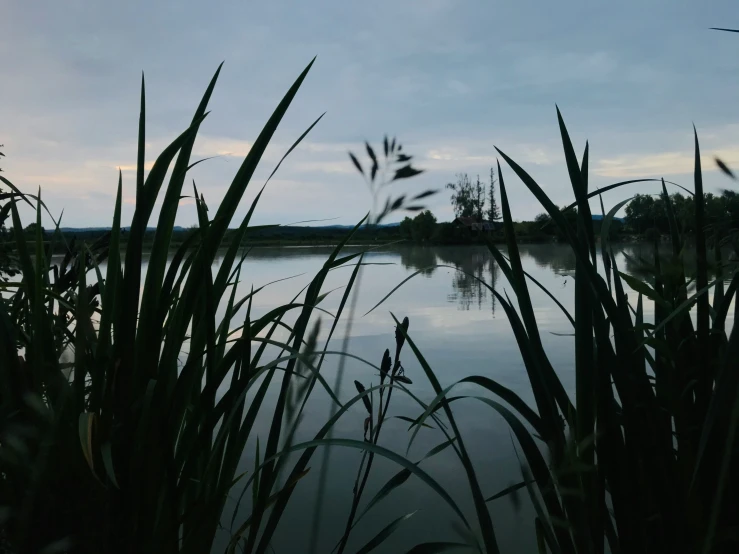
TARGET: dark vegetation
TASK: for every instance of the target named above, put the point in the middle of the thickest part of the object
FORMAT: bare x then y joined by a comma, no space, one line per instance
127,446
113,434
267,235
645,214
644,457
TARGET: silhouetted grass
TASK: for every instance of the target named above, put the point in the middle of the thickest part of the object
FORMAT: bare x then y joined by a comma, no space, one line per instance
641,459
129,447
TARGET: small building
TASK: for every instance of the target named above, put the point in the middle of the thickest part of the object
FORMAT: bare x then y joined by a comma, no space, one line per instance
474,224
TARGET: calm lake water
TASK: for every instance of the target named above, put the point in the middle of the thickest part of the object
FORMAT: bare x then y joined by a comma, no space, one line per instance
462,331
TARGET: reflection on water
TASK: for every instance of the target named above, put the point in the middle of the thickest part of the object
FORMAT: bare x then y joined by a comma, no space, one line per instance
467,283
639,259
419,258
452,323
557,258
475,268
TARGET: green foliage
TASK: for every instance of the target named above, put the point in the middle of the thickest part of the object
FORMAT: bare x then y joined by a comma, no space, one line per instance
392,371
545,224
650,211
406,227
667,490
31,228
493,212
394,165
421,228
449,233
424,225
463,196
114,436
470,199
644,457
478,199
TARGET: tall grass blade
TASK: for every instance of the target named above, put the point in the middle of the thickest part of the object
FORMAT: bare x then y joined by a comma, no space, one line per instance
483,516
383,535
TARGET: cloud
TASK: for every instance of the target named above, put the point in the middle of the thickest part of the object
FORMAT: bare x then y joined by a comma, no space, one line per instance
474,155
342,167
106,197
458,87
549,68
451,78
132,167
327,147
663,163
220,146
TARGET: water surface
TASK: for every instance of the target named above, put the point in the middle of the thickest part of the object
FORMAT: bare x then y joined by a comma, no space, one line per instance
461,330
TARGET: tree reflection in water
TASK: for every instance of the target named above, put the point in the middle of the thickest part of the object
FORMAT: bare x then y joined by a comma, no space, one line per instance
559,258
474,264
419,258
473,267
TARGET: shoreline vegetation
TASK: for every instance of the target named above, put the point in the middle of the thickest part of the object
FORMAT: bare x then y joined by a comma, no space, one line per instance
440,234
477,222
135,443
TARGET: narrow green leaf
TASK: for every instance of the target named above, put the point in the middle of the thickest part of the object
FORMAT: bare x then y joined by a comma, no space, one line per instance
398,479
106,451
643,288
406,172
506,491
141,151
723,167
356,163
435,547
383,535
701,280
86,422
379,451
488,533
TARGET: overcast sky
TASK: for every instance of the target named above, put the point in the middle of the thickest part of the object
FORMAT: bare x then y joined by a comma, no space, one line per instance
451,78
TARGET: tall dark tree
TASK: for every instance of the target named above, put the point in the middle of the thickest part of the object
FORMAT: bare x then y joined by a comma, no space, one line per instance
641,212
2,220
463,196
478,200
545,225
30,230
406,227
645,212
493,210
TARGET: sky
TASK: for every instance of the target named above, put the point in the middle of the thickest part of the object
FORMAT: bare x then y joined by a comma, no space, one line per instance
452,79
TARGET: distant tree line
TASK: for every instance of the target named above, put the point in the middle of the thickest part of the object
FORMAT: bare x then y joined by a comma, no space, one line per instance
647,214
421,228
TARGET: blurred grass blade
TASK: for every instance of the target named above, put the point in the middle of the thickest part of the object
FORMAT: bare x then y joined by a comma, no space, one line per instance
436,547
383,535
